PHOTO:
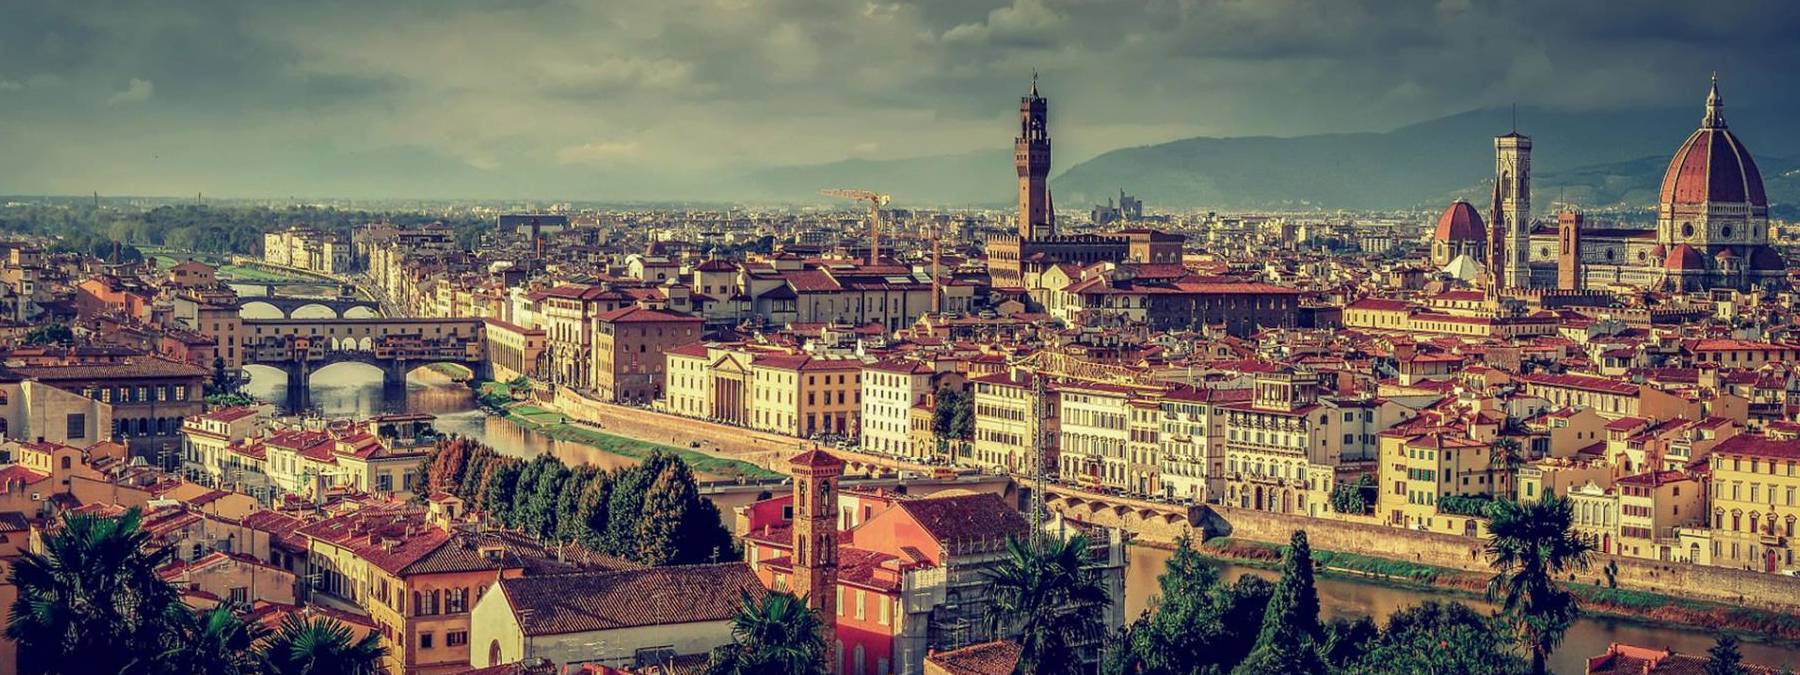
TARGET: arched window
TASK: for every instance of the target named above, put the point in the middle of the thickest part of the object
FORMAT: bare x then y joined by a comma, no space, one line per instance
494,653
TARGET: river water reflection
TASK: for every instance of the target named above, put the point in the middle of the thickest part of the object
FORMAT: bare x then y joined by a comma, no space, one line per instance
354,390
1348,598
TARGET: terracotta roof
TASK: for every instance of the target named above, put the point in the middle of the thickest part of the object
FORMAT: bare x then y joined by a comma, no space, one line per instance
559,604
816,458
1459,222
1713,166
636,314
1758,446
1622,659
1583,382
999,657
966,518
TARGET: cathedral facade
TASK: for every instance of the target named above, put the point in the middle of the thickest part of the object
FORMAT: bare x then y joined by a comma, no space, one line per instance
1712,225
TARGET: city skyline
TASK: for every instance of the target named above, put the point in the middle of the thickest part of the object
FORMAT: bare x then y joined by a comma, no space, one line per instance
667,101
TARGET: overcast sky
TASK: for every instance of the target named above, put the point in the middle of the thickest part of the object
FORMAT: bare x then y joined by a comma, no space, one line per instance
261,98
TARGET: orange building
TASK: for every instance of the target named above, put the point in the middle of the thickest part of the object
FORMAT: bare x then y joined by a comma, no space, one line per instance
417,580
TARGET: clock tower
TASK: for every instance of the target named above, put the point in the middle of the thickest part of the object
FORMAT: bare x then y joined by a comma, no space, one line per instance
1031,156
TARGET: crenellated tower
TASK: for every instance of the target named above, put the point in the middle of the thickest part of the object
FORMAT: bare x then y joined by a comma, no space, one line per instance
1031,156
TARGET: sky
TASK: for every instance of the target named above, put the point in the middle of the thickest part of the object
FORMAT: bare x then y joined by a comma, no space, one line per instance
669,98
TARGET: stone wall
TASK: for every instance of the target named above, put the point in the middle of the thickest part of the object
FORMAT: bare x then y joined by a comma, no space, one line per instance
1732,587
1717,584
762,448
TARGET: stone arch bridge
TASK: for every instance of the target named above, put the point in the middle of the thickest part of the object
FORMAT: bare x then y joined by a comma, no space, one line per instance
287,306
396,346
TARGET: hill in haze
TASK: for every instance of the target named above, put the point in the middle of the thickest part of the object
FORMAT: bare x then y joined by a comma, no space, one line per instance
1417,164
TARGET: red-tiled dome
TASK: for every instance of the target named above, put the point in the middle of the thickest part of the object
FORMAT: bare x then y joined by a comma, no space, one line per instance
1460,222
1712,166
1684,258
1763,258
1659,251
1725,254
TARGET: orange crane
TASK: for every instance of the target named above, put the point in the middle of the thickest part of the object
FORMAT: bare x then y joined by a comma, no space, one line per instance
876,200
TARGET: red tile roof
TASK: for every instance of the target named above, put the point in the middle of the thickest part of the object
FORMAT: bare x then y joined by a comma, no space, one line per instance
581,602
1754,445
1000,657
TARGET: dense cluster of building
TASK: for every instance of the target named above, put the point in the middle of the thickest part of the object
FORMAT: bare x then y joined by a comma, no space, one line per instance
1386,370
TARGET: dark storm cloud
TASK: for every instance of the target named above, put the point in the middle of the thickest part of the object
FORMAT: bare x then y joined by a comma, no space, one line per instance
265,96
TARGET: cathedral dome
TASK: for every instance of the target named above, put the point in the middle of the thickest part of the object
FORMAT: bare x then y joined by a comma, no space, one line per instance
1460,222
1713,166
1725,254
1685,258
1764,259
1659,251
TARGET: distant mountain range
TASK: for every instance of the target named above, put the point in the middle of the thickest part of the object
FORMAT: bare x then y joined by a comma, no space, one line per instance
1599,158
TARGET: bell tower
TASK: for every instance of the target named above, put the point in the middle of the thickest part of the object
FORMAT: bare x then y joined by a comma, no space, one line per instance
816,476
1031,156
1512,173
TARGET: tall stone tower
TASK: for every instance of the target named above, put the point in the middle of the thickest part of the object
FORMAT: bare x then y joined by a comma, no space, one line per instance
1512,172
1568,259
816,476
1031,156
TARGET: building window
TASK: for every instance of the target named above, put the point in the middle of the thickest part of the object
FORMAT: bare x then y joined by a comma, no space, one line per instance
76,427
456,638
424,641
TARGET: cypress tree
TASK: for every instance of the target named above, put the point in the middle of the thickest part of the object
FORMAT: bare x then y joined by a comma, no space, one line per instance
1289,641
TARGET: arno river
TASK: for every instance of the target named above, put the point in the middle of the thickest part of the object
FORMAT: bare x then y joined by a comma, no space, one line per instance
355,390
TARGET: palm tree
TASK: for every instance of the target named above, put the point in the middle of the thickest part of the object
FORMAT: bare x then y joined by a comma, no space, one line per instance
1046,596
321,646
215,641
1532,544
772,636
92,599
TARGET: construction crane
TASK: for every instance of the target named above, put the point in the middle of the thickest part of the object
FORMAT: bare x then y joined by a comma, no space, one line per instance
876,200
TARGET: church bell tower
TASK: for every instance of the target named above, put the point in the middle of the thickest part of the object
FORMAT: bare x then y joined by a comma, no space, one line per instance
1031,156
816,475
1512,173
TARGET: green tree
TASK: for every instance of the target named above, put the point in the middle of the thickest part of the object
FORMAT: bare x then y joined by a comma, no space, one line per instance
215,641
50,334
569,524
1433,638
1532,543
321,646
1346,640
1723,657
474,475
1288,643
1355,498
534,498
497,489
776,635
221,380
1045,593
625,505
678,526
592,513
92,601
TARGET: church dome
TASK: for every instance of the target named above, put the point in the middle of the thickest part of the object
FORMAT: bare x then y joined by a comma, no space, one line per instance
1763,258
1725,254
1685,258
1460,222
1659,251
1713,166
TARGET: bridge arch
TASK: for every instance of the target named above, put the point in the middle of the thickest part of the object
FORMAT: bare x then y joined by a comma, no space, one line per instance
260,309
361,312
314,310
